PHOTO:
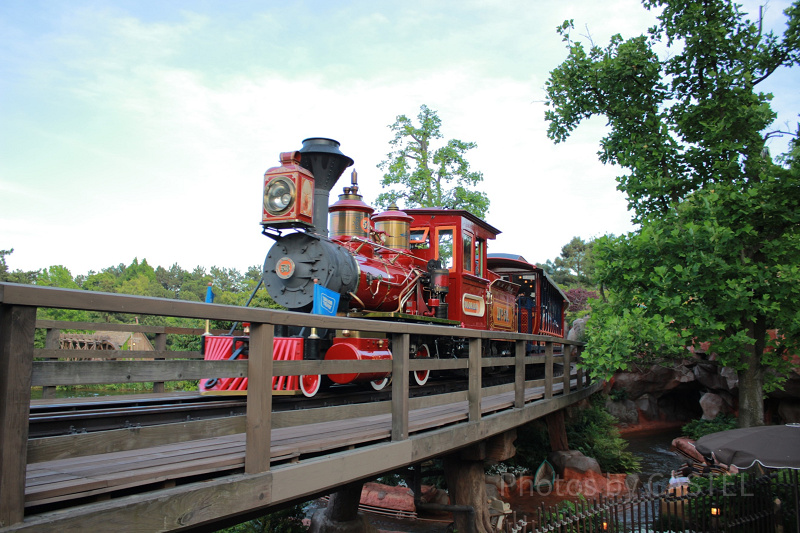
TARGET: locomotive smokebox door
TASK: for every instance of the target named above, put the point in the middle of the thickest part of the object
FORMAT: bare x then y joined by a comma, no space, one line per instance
288,194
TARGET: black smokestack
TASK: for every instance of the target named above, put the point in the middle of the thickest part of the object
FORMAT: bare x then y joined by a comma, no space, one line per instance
326,162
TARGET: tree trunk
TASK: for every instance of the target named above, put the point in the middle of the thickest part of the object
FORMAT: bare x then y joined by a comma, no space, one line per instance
751,381
466,485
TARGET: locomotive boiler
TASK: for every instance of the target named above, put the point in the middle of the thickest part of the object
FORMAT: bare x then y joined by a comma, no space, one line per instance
426,265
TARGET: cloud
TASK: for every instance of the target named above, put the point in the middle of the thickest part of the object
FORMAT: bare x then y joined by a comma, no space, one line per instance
144,132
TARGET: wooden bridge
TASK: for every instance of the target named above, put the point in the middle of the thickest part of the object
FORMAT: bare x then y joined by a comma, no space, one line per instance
198,473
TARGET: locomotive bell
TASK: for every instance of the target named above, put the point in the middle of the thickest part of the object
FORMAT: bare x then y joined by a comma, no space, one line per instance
326,162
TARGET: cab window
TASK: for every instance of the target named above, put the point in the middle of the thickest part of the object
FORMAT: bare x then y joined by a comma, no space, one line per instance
444,247
480,246
419,239
467,251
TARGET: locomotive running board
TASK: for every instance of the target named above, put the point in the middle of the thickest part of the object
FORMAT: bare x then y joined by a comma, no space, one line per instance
404,317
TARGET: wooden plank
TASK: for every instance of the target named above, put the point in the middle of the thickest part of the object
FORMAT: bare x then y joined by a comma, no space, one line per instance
548,370
58,353
137,328
51,341
100,326
116,398
67,446
296,368
160,346
519,374
400,383
438,364
96,372
116,471
567,370
16,354
32,295
498,362
143,475
259,399
438,399
297,417
474,393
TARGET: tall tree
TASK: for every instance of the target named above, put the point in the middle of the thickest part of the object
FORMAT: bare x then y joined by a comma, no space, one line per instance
574,265
717,253
424,176
18,276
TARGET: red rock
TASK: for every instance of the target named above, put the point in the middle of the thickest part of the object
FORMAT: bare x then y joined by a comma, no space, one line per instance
387,497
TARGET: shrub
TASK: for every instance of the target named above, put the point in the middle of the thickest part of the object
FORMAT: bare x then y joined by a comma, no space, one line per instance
698,428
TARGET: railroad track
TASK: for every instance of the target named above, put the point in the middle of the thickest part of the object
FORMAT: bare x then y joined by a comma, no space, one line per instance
71,416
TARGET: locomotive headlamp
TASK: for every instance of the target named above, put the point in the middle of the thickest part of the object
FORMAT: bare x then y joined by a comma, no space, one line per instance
288,194
279,196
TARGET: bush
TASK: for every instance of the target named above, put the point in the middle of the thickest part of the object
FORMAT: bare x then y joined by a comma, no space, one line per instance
591,430
698,428
594,433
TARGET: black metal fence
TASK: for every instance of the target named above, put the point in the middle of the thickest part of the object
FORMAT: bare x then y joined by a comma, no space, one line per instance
745,503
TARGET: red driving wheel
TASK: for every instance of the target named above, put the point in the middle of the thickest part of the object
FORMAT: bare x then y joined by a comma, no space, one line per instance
309,385
421,376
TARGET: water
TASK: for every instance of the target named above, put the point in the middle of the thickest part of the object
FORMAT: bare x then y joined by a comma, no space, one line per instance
653,450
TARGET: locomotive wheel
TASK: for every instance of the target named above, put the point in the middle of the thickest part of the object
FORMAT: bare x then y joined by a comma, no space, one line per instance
380,384
309,385
421,376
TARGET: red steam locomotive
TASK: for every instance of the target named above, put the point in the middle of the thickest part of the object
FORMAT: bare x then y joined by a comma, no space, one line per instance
427,265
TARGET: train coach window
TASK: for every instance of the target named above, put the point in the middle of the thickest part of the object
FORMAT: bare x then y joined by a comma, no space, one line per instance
466,248
444,250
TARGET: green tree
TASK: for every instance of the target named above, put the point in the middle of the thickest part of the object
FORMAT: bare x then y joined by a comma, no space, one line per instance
717,253
574,266
422,176
57,276
18,276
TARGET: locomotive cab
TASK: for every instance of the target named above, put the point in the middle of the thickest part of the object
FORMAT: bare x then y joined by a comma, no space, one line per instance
478,298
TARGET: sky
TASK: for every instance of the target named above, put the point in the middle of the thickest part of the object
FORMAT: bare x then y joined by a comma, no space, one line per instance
142,129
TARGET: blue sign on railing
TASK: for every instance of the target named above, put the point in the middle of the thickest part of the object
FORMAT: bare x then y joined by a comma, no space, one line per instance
326,301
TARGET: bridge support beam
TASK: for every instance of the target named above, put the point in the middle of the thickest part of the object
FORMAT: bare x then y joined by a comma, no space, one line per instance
557,430
341,515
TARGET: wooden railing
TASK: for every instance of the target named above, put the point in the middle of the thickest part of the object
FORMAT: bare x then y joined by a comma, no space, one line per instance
22,367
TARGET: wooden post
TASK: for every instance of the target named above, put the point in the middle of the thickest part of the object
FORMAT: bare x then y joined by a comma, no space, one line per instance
519,375
400,382
475,370
17,328
578,368
567,376
161,345
548,370
259,399
51,342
